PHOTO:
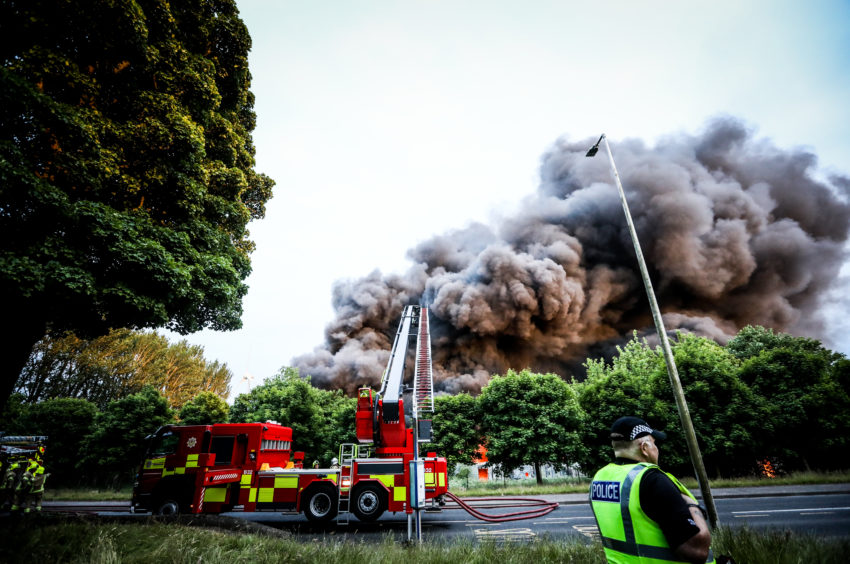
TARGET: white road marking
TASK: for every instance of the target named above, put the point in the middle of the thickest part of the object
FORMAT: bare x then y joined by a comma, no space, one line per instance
550,520
505,534
591,531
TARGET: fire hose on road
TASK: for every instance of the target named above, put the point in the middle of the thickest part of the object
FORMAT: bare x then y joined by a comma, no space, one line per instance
541,508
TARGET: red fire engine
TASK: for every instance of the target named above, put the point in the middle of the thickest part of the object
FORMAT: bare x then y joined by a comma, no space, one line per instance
251,467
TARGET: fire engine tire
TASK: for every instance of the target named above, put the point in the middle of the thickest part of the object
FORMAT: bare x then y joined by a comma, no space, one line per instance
369,502
168,505
320,505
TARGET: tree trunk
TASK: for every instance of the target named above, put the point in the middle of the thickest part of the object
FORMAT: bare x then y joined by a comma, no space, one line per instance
538,473
18,333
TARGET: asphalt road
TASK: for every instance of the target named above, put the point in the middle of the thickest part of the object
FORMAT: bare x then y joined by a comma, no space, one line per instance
822,510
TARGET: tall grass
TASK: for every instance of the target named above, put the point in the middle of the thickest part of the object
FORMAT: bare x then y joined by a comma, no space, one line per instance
79,542
87,494
779,547
131,544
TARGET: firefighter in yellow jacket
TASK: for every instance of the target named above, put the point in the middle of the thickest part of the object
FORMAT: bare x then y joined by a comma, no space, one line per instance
646,515
32,500
12,470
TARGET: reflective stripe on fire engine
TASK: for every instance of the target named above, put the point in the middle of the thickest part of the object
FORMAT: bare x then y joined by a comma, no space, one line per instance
429,478
280,483
441,479
246,480
154,463
266,494
285,482
399,493
192,461
386,479
215,495
252,495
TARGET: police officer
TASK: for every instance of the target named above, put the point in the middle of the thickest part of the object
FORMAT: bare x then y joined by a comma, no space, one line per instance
643,513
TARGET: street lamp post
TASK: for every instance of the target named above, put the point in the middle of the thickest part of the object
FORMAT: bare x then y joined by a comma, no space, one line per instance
676,384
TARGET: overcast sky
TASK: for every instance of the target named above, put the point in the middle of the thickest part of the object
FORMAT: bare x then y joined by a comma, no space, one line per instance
384,123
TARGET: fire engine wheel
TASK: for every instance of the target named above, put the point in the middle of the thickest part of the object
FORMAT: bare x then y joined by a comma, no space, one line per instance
167,506
320,505
369,502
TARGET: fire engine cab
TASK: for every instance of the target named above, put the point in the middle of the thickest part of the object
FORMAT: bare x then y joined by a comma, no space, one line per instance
251,467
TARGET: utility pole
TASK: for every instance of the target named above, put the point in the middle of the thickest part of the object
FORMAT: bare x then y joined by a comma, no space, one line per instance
672,372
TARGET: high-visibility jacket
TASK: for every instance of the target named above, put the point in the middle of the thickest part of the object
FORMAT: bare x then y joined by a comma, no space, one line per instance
35,468
12,475
38,477
629,536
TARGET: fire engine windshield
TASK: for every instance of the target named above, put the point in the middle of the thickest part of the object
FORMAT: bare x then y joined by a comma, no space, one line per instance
164,444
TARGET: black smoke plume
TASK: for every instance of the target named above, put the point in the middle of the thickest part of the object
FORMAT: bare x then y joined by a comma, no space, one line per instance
735,232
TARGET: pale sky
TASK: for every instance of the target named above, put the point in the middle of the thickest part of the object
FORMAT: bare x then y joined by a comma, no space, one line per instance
386,122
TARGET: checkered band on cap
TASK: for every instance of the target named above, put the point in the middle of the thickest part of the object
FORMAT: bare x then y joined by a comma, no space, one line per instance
638,430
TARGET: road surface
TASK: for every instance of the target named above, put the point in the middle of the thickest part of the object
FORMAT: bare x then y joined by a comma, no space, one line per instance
822,510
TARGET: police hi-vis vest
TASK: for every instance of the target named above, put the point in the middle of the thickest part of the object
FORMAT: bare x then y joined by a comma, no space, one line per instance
629,536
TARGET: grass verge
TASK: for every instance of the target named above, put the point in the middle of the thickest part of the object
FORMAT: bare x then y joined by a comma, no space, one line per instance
41,539
87,494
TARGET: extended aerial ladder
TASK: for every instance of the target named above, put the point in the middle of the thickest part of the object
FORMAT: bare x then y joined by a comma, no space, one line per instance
380,417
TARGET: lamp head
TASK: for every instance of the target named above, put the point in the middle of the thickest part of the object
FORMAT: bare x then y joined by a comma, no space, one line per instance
595,149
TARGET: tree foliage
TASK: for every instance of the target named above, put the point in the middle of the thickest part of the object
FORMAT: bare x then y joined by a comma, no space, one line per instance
805,391
759,398
120,363
457,429
206,408
626,386
531,418
320,419
113,450
726,413
66,422
126,168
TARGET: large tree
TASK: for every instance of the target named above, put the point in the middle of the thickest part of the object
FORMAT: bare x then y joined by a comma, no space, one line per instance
806,392
66,422
126,168
457,429
118,364
204,409
320,419
531,418
111,453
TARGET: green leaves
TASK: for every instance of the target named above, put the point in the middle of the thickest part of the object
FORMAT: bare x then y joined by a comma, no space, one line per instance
116,445
205,408
531,418
320,419
457,429
126,164
118,364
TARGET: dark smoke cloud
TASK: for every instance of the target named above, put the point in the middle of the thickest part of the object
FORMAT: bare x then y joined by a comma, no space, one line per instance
735,230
